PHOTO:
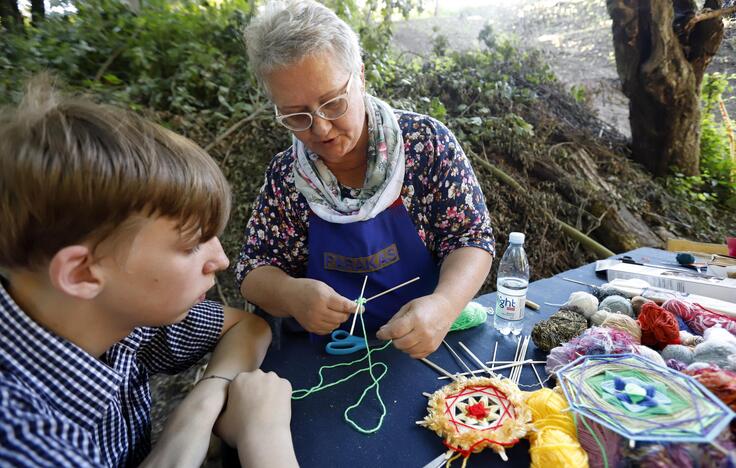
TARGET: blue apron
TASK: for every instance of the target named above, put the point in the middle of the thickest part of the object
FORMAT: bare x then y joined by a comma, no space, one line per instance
387,248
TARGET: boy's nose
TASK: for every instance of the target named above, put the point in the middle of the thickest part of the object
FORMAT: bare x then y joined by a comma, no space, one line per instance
217,260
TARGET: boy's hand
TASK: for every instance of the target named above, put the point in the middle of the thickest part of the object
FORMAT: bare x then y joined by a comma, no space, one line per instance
258,403
419,327
316,306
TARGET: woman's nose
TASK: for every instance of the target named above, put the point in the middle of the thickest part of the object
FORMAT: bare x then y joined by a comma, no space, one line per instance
321,127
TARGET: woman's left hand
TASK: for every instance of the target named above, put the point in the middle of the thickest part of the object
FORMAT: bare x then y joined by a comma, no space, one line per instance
419,327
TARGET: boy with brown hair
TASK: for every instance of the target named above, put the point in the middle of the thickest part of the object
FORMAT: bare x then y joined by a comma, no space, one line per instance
108,228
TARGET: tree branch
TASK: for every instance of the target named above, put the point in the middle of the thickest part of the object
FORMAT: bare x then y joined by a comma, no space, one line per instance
235,127
708,15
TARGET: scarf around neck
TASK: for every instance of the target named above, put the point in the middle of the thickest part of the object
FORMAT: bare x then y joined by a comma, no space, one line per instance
384,176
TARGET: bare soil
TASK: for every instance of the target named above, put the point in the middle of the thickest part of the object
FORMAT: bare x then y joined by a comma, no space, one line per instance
574,35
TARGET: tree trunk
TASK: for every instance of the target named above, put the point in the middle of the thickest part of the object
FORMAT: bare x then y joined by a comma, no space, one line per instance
38,12
10,16
661,66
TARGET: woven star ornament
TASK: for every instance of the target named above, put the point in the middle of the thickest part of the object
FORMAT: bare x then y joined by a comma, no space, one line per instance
478,413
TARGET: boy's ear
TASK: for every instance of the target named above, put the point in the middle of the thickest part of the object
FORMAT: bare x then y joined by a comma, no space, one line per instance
73,271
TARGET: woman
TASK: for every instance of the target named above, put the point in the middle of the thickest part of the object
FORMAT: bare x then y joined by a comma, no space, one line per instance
363,190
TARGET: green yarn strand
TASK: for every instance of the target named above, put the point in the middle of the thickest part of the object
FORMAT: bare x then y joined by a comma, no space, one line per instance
305,392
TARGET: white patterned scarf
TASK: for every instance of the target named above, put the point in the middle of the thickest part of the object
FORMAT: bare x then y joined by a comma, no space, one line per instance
384,176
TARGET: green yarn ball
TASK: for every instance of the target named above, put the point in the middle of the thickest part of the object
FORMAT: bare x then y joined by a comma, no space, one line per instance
472,315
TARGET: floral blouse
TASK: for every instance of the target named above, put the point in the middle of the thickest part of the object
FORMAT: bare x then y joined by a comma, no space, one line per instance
440,193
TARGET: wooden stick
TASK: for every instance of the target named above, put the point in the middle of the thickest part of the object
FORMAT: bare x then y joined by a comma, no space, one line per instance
495,348
539,379
505,366
357,309
456,355
531,304
392,289
437,368
506,362
524,347
475,358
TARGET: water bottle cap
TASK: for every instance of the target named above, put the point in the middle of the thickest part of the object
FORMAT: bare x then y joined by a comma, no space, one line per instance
516,238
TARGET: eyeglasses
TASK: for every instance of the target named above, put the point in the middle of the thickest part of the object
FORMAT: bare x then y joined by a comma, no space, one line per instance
330,110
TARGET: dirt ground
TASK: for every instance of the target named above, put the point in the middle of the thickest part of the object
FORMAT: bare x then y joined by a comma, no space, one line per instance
575,36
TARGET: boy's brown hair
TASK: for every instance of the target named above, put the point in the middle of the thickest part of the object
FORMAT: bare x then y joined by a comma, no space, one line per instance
73,171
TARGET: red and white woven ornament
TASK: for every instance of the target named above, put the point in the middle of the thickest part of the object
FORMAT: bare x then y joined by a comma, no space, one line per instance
476,413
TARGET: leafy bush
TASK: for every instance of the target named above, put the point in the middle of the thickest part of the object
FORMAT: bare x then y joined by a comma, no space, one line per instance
717,180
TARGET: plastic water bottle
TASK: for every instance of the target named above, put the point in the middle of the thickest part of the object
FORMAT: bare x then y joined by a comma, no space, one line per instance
511,286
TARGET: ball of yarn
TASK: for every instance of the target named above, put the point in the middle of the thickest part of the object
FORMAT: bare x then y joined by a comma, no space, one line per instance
599,442
600,316
698,318
682,354
617,305
637,302
718,347
650,354
582,302
623,323
605,291
658,326
684,258
593,341
675,364
561,327
555,441
688,339
721,382
471,316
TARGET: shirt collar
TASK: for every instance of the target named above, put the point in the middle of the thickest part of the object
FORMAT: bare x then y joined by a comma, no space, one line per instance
71,380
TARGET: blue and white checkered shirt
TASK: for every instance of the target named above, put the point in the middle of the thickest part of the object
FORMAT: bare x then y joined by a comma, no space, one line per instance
60,406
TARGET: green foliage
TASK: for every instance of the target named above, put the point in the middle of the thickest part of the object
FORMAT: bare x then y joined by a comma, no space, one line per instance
717,180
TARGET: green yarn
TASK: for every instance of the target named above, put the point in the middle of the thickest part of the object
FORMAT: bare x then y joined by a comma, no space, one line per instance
471,316
305,392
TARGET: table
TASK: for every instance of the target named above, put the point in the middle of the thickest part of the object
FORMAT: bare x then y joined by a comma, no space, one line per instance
321,436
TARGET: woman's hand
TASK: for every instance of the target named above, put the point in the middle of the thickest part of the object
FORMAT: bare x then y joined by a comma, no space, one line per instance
316,306
419,327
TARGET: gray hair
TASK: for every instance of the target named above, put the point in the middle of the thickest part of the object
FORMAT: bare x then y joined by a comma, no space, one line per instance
288,31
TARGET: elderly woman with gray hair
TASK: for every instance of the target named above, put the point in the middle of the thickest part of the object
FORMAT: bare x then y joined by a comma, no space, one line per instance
364,190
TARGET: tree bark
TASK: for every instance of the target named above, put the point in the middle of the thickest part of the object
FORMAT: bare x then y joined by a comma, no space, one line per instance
661,66
38,12
10,16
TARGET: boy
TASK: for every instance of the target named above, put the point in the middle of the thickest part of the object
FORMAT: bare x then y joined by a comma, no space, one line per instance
108,229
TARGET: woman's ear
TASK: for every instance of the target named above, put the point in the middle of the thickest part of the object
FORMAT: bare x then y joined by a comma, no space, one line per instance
73,271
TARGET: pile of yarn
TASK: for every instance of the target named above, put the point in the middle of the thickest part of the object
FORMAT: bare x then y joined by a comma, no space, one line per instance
721,382
718,348
682,455
614,311
561,327
659,326
698,318
554,442
593,341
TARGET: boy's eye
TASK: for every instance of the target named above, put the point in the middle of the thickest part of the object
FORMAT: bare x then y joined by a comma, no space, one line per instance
194,249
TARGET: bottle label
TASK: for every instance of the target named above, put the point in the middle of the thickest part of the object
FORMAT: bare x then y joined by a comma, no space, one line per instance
510,307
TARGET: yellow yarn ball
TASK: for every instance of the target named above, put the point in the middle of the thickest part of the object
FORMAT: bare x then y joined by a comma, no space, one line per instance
555,441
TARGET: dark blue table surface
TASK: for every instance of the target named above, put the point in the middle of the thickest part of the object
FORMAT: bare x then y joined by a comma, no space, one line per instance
321,436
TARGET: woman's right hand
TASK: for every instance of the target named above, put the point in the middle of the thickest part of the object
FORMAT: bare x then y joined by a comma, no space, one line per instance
316,306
